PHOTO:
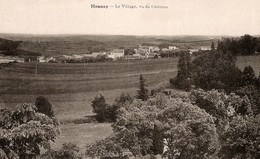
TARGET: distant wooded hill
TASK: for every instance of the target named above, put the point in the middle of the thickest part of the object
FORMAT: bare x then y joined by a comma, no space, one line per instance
11,48
8,44
79,44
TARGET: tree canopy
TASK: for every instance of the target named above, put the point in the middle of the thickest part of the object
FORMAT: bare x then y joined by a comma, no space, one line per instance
24,131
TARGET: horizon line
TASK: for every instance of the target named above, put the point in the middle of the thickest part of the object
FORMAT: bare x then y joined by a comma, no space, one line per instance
85,34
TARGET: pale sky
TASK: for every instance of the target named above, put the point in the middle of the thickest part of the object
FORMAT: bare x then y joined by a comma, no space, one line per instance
183,17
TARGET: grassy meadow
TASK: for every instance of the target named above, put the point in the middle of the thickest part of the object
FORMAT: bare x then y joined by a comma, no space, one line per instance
253,61
71,87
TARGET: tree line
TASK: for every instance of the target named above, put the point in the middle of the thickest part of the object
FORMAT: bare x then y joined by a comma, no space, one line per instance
245,45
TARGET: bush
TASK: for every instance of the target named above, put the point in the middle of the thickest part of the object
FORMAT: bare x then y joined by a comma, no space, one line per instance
101,108
44,106
104,112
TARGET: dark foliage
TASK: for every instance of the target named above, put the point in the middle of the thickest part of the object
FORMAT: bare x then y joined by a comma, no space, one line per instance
44,106
216,70
249,77
142,92
183,78
25,132
242,138
245,45
212,45
100,107
8,44
105,112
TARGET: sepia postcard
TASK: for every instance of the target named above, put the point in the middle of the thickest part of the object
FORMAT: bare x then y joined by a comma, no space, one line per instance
119,79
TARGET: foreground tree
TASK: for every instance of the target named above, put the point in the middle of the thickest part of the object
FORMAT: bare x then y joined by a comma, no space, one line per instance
142,127
223,107
106,148
24,132
143,91
242,138
189,132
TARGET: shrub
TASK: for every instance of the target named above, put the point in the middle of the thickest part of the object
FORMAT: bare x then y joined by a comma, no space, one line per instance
101,108
44,106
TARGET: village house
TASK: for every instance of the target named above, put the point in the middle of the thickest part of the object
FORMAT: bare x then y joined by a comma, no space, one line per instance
152,55
76,57
8,59
154,49
173,47
18,59
95,54
204,48
50,59
142,51
191,51
41,59
165,49
117,53
60,58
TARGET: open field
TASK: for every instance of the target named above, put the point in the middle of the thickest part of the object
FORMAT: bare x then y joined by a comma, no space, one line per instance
253,61
80,134
71,88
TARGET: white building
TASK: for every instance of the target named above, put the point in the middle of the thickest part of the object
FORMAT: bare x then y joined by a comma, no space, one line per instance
42,59
165,49
76,57
205,48
48,59
173,47
8,59
117,53
95,54
153,48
